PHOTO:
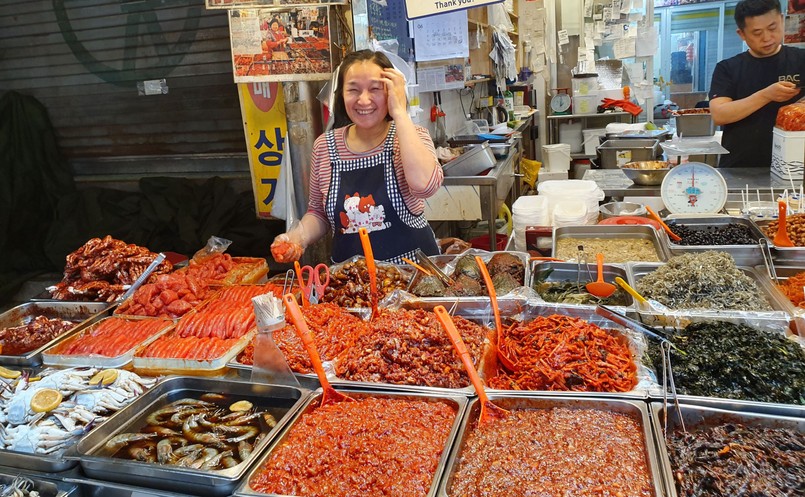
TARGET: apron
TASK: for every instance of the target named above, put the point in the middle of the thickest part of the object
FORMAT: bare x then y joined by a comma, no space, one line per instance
364,193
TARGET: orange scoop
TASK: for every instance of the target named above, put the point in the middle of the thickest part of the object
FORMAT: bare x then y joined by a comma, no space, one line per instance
489,411
781,238
370,265
657,218
504,359
330,395
600,288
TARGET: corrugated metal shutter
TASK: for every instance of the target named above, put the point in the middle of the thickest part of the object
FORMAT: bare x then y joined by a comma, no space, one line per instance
83,59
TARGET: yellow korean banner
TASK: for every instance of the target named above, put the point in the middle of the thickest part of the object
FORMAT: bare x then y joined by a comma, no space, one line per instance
263,109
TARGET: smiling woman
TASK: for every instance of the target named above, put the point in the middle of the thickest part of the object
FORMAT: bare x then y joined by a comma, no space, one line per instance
372,171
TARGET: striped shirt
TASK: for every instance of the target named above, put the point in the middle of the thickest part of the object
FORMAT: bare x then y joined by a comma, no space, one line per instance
321,170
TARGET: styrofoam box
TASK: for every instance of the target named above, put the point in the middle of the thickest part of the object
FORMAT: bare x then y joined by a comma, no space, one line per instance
788,154
585,104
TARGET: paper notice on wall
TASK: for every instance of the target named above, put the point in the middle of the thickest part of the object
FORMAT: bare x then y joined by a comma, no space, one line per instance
443,36
647,38
626,6
624,48
607,14
588,8
635,71
616,7
600,27
564,39
538,62
440,78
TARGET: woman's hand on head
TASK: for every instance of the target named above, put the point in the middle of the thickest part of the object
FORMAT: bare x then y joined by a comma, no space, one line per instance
395,92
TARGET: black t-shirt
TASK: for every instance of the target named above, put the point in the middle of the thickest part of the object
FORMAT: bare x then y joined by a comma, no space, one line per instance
749,140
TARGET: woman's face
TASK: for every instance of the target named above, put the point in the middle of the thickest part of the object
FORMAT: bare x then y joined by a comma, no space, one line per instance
365,94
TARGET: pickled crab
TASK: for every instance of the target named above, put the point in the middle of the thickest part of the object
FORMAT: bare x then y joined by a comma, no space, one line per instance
45,437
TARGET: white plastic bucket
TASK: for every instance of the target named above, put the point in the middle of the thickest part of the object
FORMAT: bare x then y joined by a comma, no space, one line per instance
528,210
571,212
556,158
592,139
573,189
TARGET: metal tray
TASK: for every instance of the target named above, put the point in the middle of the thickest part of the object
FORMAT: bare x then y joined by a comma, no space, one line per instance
619,232
636,409
97,463
696,416
641,390
96,488
459,401
744,255
447,264
475,160
45,486
160,366
779,316
83,313
569,271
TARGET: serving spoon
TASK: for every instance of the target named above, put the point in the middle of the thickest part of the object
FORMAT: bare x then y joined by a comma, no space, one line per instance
600,288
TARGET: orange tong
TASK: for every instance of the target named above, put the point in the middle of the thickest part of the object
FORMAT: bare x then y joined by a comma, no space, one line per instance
504,359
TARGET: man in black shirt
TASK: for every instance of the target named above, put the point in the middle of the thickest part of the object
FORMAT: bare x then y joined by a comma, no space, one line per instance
748,89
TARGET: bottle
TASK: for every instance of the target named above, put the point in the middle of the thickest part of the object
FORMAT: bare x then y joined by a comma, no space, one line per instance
508,102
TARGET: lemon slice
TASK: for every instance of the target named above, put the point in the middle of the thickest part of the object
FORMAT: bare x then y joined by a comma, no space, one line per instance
105,377
240,406
9,374
45,400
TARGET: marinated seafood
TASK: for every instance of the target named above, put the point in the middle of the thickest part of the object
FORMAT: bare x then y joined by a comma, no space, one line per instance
707,280
103,269
563,353
411,348
111,337
558,451
195,433
41,330
428,286
169,295
374,446
223,269
510,264
733,459
350,287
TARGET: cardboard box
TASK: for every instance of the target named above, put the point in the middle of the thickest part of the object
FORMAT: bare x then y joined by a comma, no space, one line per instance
788,154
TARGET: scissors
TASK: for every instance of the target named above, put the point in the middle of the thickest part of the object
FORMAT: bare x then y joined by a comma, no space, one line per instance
313,286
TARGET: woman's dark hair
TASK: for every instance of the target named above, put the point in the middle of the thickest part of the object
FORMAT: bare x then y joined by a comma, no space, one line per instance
339,107
754,8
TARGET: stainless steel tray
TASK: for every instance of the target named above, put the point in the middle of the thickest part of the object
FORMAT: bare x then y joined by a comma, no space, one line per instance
97,488
83,313
460,402
744,255
695,416
636,409
569,271
646,379
779,316
96,462
447,264
619,232
45,486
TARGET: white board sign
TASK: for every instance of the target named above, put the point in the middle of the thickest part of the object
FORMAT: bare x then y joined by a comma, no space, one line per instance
421,8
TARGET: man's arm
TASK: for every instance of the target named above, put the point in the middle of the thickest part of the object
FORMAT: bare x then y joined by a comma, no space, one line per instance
726,110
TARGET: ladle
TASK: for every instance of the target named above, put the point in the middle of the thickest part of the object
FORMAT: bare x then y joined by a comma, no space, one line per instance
504,359
600,288
489,411
330,395
370,265
657,218
781,238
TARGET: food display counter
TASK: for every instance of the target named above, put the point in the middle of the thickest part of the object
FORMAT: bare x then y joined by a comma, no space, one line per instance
556,360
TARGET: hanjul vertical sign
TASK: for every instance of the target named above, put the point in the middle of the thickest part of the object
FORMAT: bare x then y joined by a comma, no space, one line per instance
262,106
422,8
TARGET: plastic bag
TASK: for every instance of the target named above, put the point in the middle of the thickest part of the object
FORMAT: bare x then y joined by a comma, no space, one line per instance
530,169
215,245
791,117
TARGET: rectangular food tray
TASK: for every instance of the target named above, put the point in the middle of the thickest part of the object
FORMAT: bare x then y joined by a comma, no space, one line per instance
569,271
475,160
744,255
615,232
83,313
779,316
46,487
646,379
282,401
633,408
51,359
152,365
695,416
460,402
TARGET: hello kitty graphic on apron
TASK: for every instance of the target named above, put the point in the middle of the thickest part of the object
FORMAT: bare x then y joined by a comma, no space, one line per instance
364,193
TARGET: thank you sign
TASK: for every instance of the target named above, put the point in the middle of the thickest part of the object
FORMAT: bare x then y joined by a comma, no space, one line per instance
422,8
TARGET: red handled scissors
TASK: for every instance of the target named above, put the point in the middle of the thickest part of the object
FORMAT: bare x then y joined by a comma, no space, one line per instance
314,283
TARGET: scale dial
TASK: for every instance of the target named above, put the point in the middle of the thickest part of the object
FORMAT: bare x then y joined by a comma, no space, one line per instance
560,103
694,188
